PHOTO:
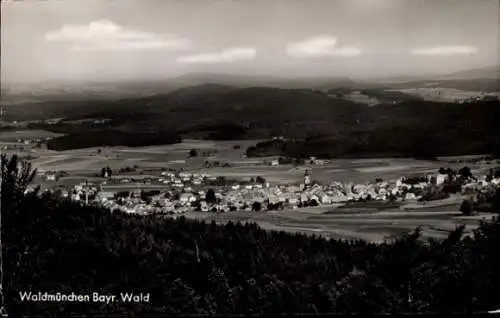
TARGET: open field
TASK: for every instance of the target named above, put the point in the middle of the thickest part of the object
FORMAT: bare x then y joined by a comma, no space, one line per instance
14,135
344,170
87,162
371,226
442,94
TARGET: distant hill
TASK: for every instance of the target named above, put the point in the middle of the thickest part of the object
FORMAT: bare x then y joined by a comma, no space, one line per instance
299,110
205,100
319,123
243,81
197,94
99,90
483,84
480,79
16,94
195,79
227,107
491,72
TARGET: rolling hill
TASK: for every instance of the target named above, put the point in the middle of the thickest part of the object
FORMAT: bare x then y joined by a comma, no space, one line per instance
20,94
236,107
480,79
243,81
490,72
315,122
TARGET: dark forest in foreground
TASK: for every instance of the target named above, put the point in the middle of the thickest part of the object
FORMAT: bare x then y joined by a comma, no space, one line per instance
317,123
197,268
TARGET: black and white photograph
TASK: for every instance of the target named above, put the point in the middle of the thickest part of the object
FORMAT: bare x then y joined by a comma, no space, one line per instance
249,157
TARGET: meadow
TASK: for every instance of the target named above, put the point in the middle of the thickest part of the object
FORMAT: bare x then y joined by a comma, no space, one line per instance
87,162
441,94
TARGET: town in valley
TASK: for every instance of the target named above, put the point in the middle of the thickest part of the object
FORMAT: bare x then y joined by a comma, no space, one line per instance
371,199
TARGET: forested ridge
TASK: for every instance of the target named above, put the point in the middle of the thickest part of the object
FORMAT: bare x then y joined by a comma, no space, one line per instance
189,267
316,123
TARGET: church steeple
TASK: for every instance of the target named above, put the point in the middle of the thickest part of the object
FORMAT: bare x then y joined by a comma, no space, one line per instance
307,177
2,113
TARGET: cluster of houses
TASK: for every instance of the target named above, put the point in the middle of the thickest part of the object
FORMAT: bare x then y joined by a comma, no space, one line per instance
179,180
85,192
310,161
33,140
51,175
190,192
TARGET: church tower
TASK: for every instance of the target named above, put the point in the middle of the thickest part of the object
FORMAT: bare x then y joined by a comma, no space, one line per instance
2,113
307,178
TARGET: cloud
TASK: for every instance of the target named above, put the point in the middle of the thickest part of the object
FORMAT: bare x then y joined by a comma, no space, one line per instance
106,35
321,46
225,56
446,50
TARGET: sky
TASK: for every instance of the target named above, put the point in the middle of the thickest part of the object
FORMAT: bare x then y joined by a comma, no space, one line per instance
66,40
